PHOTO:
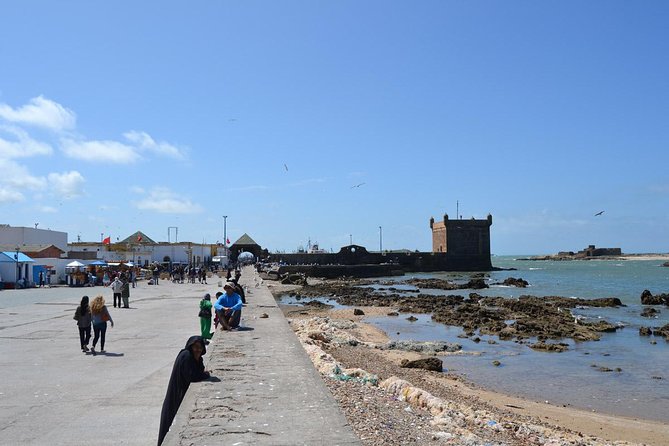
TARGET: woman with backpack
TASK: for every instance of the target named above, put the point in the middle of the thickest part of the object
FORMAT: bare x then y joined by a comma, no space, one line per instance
83,317
100,316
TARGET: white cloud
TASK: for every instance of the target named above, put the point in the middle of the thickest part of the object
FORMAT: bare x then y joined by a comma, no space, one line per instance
67,184
47,209
144,141
40,112
137,190
10,195
100,151
167,202
20,144
17,176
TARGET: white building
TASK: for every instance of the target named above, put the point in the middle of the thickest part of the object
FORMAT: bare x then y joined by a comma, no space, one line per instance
19,236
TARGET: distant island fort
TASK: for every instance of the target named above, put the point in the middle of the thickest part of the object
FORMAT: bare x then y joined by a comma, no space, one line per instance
589,253
457,245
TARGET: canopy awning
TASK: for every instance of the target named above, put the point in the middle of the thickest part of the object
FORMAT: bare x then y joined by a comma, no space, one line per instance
8,256
98,263
74,264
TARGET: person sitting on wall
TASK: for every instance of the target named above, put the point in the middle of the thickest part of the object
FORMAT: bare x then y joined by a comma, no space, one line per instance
239,290
188,368
229,307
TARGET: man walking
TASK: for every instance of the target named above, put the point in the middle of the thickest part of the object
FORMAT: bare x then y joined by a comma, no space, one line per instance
117,288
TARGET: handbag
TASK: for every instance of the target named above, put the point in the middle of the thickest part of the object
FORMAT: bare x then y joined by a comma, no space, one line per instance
205,313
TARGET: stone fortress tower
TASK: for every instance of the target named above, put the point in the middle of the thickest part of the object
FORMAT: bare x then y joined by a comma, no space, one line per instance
461,237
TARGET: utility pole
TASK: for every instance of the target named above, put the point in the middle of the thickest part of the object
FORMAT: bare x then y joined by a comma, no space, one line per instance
225,231
380,239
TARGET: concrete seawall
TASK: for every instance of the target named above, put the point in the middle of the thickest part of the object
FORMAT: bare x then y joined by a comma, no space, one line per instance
53,394
269,393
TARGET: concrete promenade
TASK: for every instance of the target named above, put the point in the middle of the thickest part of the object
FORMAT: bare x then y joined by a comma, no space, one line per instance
53,394
269,393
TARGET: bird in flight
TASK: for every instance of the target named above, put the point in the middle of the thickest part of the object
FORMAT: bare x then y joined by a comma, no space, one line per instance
357,185
286,167
599,213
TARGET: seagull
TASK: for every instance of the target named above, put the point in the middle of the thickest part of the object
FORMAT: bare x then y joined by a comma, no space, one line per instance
599,213
357,185
286,167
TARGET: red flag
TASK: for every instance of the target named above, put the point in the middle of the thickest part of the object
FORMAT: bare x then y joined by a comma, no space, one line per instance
228,241
139,237
107,241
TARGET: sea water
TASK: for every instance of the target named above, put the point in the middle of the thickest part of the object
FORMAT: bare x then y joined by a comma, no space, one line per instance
573,378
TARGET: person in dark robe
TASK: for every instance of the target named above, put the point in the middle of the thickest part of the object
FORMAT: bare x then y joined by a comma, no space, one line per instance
188,368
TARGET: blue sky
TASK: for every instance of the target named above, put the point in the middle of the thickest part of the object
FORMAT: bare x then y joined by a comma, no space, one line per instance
145,115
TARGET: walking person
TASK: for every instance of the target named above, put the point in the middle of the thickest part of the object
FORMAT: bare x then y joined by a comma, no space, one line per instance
188,368
117,289
100,316
83,317
205,316
125,294
41,279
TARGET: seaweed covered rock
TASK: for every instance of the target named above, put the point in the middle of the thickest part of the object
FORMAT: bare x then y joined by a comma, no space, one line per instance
549,347
649,312
433,364
647,298
512,281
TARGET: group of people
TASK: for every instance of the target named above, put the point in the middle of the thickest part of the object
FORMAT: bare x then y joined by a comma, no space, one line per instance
227,307
190,272
96,314
121,291
189,366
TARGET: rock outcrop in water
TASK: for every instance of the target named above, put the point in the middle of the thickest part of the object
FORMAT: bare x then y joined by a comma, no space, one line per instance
526,317
647,298
512,281
433,364
475,283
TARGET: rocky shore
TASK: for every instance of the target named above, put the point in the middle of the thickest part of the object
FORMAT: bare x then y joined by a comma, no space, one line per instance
388,402
546,318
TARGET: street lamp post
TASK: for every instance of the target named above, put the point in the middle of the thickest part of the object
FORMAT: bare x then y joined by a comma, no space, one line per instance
380,239
16,257
350,239
225,234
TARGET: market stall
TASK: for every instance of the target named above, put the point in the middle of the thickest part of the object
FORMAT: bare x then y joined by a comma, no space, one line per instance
75,274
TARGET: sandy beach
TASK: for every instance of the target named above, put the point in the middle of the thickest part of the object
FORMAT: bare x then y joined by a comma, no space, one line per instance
381,415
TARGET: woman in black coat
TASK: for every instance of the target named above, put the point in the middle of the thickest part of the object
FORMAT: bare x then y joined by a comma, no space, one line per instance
188,368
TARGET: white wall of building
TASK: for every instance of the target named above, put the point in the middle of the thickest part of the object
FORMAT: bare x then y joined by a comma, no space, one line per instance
180,253
19,235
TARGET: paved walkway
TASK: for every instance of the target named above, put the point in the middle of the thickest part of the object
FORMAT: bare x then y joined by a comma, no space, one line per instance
52,393
269,393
